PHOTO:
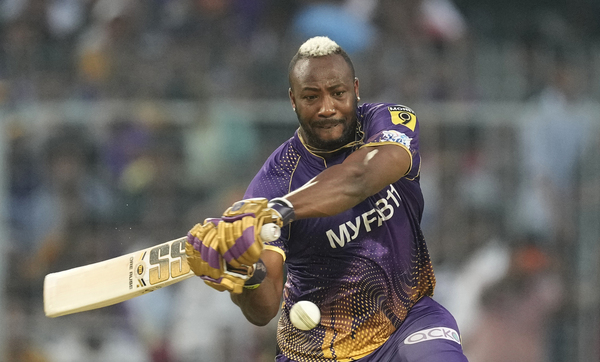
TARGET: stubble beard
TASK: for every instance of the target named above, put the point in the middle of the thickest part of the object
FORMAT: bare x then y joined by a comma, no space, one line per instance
348,135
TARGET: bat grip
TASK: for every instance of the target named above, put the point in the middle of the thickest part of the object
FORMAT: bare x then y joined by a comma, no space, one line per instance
270,232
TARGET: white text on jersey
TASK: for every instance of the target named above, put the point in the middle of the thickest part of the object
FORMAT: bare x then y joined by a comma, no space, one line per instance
383,211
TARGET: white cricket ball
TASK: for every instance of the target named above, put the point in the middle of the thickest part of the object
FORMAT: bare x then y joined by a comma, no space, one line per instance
305,315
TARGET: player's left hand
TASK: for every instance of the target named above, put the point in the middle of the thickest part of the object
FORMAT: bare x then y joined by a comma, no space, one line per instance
224,251
202,250
205,260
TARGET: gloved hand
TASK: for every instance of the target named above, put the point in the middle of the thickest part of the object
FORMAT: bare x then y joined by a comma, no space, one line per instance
240,242
224,251
202,250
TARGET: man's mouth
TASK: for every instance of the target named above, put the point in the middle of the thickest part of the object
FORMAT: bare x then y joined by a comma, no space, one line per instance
327,124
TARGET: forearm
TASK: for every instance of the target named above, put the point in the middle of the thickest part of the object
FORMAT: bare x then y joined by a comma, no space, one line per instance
262,304
343,186
334,190
259,305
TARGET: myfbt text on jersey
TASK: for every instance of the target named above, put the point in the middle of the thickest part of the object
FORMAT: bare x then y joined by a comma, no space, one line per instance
384,210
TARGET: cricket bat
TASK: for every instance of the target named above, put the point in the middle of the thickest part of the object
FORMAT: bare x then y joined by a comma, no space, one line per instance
124,277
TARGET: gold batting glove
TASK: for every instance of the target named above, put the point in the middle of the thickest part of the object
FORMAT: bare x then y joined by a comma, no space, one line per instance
201,250
206,262
240,242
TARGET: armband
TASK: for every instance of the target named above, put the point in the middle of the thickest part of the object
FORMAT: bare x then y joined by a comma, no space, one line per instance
284,208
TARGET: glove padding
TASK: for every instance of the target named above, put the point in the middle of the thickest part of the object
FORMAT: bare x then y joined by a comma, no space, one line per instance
232,240
240,243
205,260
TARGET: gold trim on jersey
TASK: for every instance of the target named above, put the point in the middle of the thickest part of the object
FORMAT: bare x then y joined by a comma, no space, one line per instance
358,141
309,149
418,173
277,250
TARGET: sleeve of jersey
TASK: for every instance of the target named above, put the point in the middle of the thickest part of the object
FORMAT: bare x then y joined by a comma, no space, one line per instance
274,180
397,125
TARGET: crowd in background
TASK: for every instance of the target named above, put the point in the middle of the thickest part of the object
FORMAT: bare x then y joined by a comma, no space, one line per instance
503,192
190,49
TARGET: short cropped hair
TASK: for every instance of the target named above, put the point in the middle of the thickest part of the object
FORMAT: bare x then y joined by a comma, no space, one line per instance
319,46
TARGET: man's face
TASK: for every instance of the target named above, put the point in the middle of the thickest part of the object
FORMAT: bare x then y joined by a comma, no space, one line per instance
324,95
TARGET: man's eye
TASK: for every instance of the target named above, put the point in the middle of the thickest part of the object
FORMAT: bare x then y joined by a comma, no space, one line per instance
310,97
339,93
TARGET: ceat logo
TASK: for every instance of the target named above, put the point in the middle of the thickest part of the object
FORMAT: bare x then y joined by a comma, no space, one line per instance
433,333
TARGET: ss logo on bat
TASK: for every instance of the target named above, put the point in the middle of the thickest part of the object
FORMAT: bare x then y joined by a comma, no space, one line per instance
170,261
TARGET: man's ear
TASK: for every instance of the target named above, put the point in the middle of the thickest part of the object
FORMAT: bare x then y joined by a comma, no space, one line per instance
292,100
356,88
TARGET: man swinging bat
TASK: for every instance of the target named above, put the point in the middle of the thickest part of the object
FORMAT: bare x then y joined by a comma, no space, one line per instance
345,190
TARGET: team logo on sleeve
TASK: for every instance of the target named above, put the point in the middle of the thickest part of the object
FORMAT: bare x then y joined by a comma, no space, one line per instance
404,116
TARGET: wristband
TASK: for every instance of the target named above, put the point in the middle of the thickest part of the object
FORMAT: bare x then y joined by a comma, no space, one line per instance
260,272
284,208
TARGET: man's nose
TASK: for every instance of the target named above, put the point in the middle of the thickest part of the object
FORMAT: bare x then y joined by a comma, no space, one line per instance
327,107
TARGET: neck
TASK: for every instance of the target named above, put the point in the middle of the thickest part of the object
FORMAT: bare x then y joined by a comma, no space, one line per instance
358,141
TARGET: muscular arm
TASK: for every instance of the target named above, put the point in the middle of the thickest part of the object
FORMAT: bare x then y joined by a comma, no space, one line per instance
340,187
260,305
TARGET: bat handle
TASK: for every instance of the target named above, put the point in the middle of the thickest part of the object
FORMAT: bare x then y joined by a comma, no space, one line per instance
270,232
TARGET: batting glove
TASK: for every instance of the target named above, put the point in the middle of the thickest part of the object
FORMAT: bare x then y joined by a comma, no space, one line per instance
225,252
240,230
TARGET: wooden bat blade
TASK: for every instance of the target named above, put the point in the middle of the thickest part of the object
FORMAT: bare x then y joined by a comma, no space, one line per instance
124,277
115,280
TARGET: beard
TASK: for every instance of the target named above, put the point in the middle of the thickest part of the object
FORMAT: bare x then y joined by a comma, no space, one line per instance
348,135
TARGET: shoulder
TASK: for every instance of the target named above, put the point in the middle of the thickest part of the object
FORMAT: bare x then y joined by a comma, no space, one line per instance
392,124
387,114
377,118
283,160
273,178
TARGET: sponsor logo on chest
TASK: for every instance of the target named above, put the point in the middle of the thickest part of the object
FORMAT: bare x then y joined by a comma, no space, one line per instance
366,222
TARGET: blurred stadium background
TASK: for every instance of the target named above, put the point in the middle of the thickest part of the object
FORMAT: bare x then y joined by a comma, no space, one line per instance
124,122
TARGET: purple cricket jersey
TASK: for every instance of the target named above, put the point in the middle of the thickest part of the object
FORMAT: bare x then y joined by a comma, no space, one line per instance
366,267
